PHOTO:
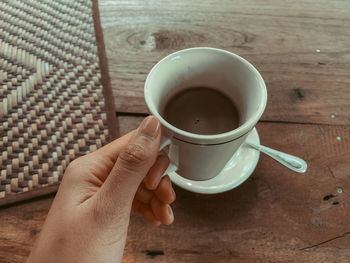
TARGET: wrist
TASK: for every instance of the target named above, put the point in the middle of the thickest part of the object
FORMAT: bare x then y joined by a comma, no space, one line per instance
79,235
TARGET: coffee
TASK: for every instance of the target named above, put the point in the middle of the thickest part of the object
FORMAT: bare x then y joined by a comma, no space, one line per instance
201,110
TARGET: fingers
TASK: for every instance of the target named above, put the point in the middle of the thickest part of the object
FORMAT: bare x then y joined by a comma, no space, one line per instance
161,185
132,165
165,191
146,213
149,216
155,173
161,211
157,201
143,194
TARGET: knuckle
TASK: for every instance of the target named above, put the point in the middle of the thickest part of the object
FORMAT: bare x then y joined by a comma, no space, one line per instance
74,166
80,162
134,154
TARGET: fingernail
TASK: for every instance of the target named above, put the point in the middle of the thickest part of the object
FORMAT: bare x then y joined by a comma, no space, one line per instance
156,183
170,211
157,223
171,215
150,127
174,195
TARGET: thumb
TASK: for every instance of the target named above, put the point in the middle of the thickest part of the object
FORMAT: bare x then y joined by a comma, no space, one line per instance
133,163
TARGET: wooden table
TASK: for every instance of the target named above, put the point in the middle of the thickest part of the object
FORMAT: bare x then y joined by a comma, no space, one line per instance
302,50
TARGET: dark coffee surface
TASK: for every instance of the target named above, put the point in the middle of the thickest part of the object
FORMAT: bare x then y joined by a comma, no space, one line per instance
201,110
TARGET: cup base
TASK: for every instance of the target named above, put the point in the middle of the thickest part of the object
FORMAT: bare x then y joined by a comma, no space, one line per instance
236,171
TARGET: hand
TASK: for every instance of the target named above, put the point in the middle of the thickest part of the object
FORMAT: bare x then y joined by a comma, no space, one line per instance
89,217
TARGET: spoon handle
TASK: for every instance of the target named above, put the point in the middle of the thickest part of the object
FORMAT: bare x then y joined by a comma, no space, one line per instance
292,162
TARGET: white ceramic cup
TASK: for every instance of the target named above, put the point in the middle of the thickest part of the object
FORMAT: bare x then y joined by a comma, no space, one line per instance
195,156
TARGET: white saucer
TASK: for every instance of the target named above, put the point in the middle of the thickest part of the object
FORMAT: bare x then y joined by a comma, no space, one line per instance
236,171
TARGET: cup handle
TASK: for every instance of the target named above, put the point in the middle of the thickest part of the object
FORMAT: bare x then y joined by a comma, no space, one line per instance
165,141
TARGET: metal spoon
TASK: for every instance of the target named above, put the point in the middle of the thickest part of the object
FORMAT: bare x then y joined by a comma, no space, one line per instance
292,162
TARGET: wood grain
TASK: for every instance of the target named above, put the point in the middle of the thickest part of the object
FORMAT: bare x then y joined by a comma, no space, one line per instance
275,216
300,48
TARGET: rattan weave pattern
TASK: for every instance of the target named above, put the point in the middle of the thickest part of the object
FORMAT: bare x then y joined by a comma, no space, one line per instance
51,102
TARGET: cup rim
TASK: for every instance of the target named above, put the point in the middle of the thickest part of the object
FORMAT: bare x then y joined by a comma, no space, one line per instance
233,134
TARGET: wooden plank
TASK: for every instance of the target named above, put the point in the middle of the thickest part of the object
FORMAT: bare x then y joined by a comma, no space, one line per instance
275,216
301,49
19,226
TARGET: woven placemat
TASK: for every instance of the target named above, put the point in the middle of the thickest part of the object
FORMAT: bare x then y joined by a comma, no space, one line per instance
51,101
